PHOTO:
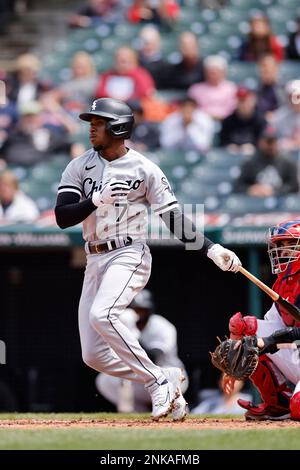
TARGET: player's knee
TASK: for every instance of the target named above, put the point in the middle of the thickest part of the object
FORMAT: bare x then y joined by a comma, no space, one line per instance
90,359
295,406
98,317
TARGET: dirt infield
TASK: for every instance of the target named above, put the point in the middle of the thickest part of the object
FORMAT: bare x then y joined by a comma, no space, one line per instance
190,423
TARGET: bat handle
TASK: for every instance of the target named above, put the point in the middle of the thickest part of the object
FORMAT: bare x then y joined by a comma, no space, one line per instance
274,296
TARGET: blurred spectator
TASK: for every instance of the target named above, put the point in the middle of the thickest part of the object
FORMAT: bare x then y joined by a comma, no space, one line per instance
96,12
25,86
145,134
293,47
6,12
159,338
190,68
268,173
188,128
31,141
261,40
214,401
126,80
15,206
216,95
287,119
150,54
162,13
76,93
8,120
241,130
270,93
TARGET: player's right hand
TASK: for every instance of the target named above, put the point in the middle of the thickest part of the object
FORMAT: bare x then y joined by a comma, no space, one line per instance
111,192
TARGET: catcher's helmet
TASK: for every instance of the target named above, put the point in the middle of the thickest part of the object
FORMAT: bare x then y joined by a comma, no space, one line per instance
119,116
279,254
143,299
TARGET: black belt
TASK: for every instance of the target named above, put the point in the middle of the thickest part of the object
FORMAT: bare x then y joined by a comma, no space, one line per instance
97,248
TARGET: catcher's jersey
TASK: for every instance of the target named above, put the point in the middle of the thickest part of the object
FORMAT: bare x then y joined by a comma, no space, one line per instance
287,285
149,187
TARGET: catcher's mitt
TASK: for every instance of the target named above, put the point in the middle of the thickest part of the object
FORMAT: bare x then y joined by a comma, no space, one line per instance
237,358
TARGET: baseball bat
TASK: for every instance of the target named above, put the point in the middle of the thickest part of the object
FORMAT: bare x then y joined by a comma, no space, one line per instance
290,308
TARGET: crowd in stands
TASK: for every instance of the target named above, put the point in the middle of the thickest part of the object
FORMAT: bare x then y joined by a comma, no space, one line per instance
205,109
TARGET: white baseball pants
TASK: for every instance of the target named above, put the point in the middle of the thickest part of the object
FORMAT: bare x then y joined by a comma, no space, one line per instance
286,360
111,281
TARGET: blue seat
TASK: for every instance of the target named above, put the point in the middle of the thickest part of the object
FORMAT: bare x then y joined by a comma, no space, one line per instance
221,158
241,72
290,203
289,70
243,204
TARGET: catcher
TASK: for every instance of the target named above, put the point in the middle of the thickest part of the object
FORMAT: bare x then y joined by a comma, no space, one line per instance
273,371
239,359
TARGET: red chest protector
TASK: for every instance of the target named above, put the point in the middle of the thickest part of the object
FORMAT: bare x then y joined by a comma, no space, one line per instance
287,285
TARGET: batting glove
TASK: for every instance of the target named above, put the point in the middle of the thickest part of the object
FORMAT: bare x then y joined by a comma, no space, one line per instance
111,192
223,258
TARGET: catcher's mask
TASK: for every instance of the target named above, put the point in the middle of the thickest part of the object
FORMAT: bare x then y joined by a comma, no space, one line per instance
282,254
119,116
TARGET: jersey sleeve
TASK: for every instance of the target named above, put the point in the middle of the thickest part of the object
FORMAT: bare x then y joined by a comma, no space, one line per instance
71,181
159,192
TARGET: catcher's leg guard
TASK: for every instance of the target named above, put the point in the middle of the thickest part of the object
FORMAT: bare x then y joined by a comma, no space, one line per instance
274,391
295,406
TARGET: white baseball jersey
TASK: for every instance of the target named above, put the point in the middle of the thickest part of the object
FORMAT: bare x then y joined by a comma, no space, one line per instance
149,187
158,333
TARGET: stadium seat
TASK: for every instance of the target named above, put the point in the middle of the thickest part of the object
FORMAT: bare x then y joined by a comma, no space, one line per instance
221,158
210,44
291,4
208,174
232,15
289,70
45,173
170,95
290,203
19,171
169,44
193,191
280,13
243,204
110,44
103,61
220,29
167,158
243,72
125,32
247,5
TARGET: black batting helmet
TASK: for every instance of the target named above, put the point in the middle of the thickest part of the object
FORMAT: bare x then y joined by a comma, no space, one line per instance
119,116
143,299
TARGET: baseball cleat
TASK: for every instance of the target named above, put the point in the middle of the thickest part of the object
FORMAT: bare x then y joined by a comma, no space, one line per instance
176,377
162,397
264,412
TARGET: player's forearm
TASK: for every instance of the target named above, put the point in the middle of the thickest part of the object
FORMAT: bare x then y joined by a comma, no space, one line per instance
69,211
287,335
184,229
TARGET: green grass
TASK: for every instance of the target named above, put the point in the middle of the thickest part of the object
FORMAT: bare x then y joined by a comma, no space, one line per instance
144,439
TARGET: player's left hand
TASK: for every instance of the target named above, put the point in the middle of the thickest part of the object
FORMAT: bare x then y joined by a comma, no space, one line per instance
225,259
111,192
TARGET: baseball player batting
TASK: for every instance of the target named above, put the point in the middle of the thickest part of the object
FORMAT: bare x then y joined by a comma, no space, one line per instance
110,188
